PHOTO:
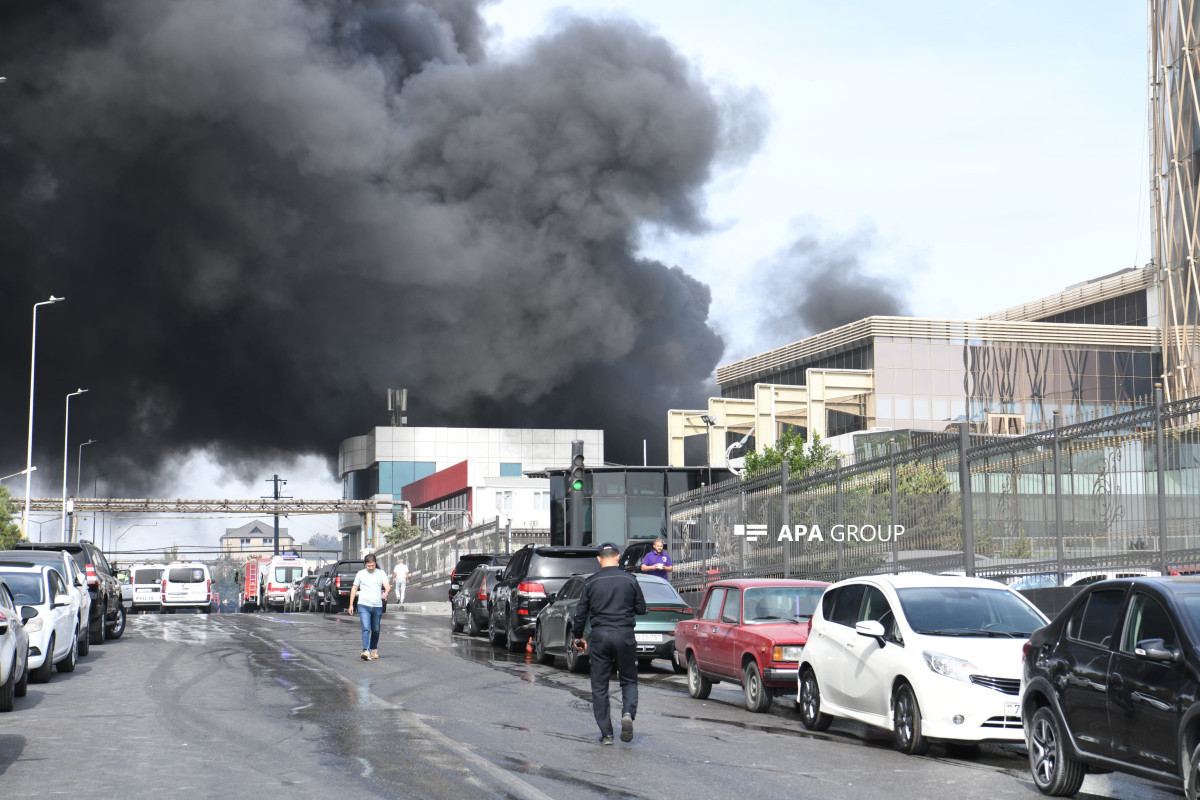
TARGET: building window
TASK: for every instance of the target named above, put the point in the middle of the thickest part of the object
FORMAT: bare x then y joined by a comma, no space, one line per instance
541,501
504,502
510,470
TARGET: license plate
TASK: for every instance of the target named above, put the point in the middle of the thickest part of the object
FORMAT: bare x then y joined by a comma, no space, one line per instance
1012,710
649,638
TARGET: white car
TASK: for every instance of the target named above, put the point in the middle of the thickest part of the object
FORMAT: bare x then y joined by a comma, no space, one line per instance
62,561
52,629
187,584
928,657
14,650
146,580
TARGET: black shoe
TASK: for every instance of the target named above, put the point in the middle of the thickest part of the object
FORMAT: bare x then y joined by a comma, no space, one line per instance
606,740
626,728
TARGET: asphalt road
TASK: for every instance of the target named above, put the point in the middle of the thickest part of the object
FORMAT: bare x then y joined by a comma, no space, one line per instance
226,705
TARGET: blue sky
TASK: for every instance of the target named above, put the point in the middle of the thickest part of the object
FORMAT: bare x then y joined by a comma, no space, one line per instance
995,151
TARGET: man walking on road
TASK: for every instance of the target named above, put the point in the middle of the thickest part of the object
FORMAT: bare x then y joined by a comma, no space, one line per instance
611,597
400,579
369,589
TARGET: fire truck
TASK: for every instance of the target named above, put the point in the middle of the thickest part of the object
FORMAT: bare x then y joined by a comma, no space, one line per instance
247,580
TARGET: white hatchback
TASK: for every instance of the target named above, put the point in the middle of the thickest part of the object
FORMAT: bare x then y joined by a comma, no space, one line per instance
924,656
46,606
187,584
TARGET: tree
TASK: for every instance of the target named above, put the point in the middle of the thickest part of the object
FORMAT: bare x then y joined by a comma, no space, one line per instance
171,554
10,532
802,457
323,541
401,530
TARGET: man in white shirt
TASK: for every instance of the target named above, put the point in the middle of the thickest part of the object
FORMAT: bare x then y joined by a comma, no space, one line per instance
400,574
369,589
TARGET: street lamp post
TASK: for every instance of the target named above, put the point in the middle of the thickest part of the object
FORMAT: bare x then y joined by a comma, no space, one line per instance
15,474
29,445
66,464
79,464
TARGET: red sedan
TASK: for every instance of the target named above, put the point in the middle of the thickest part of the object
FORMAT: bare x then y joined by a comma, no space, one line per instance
749,631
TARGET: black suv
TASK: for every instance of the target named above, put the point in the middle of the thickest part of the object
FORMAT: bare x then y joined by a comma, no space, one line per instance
467,564
108,613
529,582
341,578
1113,683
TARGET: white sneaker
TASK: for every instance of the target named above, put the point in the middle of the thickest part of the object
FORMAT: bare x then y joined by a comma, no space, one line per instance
366,655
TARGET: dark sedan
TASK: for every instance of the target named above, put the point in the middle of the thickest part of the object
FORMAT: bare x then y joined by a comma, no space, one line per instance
654,630
1113,683
471,607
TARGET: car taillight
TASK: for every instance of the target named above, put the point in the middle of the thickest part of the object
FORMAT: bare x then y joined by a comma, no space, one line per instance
208,588
531,589
164,586
337,582
91,574
482,593
1024,650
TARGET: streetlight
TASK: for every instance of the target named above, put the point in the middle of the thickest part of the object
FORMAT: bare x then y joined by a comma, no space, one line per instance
79,464
121,535
66,464
29,445
15,474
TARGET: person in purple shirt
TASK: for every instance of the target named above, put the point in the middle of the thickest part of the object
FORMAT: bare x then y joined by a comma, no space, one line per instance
656,562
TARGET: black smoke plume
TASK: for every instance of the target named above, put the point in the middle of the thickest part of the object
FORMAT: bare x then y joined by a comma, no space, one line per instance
264,214
821,283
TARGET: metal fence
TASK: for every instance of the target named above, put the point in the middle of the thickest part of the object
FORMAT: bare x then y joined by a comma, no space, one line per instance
1121,492
431,558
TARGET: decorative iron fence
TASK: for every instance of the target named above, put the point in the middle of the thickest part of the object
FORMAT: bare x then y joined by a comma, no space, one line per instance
1110,494
431,558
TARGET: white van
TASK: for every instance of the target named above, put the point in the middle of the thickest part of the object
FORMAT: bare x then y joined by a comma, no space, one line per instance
277,576
187,584
146,580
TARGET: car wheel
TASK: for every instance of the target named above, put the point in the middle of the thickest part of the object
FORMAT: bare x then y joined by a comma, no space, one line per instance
455,625
68,663
22,686
473,628
9,690
539,648
96,631
758,696
117,628
515,641
85,643
810,703
1054,771
698,685
42,673
907,732
496,633
576,661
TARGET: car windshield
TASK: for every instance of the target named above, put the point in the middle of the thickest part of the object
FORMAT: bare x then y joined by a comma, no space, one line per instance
147,575
288,574
660,592
185,575
27,587
774,603
968,611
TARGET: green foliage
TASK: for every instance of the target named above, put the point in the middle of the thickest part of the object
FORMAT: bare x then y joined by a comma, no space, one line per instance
323,541
802,457
401,530
171,554
10,531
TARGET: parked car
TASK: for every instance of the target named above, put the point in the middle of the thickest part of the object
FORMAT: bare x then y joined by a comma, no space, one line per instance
289,597
126,581
146,580
529,582
305,593
14,650
471,606
1049,580
107,614
654,631
1113,683
748,631
62,561
341,579
45,603
928,657
467,563
634,552
320,598
187,584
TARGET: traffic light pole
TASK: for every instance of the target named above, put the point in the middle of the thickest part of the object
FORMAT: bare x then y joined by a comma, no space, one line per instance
574,478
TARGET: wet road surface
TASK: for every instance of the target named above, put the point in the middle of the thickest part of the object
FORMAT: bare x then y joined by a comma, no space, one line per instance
215,706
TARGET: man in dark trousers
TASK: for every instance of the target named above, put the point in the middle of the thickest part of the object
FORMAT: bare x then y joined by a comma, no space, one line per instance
611,597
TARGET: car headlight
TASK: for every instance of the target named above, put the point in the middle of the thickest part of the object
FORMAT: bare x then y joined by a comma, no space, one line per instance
34,625
787,652
950,667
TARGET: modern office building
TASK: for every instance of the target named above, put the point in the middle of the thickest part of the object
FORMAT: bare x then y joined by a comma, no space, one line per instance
1090,349
456,477
254,539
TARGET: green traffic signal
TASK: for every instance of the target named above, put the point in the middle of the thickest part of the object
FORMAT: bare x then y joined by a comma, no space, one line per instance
577,485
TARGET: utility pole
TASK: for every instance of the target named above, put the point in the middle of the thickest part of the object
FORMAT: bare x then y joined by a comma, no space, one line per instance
276,480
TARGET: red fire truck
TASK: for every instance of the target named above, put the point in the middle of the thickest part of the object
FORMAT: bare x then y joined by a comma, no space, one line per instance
247,579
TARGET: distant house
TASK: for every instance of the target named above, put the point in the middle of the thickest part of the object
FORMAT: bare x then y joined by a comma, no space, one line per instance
254,539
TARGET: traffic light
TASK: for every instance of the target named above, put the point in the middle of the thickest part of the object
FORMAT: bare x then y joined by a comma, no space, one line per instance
575,479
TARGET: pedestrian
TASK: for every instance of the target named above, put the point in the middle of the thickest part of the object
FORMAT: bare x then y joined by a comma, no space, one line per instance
657,562
611,597
400,578
369,589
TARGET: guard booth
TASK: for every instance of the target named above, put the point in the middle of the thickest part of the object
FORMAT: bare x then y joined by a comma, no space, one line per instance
620,503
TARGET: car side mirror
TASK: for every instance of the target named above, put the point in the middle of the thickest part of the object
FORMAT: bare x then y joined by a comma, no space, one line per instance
62,600
1156,650
79,581
28,613
872,628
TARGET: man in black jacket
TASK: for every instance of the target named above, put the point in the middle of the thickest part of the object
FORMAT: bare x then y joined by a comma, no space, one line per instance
611,597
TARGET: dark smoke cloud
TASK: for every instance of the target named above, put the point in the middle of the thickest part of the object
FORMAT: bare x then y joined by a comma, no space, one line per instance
265,214
817,284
